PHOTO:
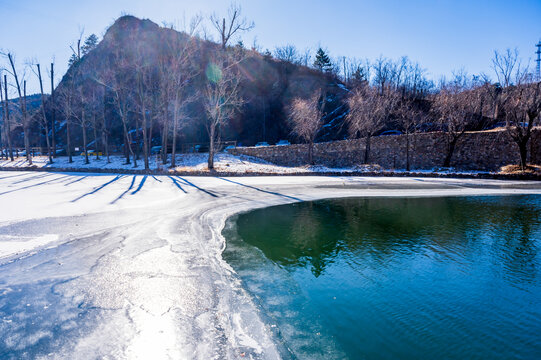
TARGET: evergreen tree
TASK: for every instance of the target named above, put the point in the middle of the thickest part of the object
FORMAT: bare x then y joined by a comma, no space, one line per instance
90,43
322,61
73,60
359,77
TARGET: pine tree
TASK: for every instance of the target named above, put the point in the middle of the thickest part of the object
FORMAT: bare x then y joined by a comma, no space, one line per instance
90,43
322,61
73,60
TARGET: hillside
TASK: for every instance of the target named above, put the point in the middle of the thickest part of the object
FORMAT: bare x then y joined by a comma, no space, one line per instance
267,85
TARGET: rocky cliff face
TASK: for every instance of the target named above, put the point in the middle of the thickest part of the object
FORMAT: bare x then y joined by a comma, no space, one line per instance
267,85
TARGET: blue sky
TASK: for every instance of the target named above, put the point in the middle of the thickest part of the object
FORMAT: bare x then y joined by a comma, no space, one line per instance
441,35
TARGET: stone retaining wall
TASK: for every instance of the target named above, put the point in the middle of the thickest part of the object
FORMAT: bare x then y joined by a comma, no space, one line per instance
474,151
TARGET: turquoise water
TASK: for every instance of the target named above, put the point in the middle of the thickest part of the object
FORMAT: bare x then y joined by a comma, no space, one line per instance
384,278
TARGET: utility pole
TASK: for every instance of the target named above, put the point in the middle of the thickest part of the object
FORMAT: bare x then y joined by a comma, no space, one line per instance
538,60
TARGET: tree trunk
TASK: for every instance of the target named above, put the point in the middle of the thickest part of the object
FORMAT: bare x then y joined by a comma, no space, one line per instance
96,138
311,153
7,123
49,151
407,152
45,122
165,139
84,143
53,110
104,140
450,150
174,144
523,148
211,147
68,140
126,150
26,127
129,147
145,142
367,149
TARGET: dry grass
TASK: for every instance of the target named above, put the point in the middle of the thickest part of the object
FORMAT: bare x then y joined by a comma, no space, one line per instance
515,169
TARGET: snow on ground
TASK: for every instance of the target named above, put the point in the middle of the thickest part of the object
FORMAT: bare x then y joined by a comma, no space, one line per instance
224,162
185,163
10,245
130,266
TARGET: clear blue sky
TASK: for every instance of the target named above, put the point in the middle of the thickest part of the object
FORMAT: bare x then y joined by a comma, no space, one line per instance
441,35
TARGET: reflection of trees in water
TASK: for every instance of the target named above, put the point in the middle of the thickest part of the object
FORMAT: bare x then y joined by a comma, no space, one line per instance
313,233
517,225
297,235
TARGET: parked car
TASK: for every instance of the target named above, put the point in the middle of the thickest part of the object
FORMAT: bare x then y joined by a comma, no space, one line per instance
92,153
262,143
201,148
283,143
391,132
229,147
155,150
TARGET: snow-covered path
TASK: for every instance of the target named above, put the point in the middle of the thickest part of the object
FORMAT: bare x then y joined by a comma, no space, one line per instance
125,266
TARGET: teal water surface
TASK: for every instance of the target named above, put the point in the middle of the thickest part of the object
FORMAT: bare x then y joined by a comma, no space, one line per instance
386,278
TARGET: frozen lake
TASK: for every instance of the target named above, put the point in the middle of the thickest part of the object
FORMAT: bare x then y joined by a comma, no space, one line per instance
124,266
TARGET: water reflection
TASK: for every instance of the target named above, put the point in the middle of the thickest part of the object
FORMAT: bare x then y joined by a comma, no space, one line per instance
407,278
313,234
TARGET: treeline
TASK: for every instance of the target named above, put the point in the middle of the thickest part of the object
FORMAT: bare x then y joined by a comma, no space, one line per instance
390,94
143,86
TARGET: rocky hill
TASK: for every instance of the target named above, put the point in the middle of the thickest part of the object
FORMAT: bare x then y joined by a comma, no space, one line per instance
267,85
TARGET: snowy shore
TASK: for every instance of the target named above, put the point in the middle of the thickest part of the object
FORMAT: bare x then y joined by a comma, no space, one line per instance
231,165
130,266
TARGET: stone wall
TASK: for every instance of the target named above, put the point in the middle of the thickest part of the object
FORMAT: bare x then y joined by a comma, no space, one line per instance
474,151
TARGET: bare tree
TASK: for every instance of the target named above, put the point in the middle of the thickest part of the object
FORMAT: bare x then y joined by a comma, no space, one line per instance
287,53
383,73
457,106
507,66
67,101
233,24
522,108
118,80
221,97
44,121
306,118
53,111
7,124
95,105
369,110
22,105
178,71
409,116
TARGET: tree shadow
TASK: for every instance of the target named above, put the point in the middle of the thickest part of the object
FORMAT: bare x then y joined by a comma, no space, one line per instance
34,185
258,189
126,191
12,176
177,184
197,187
140,186
96,189
35,177
77,180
